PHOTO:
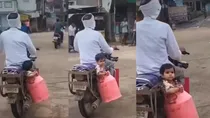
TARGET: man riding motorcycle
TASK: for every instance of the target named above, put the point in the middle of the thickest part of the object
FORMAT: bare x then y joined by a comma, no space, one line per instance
155,42
89,42
59,27
16,45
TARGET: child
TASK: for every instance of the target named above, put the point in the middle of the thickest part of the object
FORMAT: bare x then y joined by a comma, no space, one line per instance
171,85
100,68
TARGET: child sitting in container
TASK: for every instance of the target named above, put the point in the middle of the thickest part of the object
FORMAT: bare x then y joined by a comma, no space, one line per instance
178,103
170,83
100,68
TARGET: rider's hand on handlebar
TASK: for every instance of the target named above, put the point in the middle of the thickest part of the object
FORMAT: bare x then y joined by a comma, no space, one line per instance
183,50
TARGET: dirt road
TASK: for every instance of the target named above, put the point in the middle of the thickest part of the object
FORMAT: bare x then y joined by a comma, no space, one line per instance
53,64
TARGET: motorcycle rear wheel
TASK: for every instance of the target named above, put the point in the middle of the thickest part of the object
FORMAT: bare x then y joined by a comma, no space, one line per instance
17,109
85,108
85,105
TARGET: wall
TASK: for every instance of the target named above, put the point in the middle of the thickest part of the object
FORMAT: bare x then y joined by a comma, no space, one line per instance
179,3
7,6
3,22
208,8
87,2
27,5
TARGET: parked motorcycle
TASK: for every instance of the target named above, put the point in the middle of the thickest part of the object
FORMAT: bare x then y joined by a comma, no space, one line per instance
13,86
82,80
150,98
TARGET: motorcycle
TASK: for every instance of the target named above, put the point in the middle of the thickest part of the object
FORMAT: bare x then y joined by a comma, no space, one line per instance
13,86
57,40
150,98
83,84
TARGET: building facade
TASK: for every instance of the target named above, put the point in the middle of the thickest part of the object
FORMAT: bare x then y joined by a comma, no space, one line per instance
28,9
6,6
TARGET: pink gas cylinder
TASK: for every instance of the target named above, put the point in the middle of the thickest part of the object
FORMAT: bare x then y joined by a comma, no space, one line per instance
108,88
37,88
183,107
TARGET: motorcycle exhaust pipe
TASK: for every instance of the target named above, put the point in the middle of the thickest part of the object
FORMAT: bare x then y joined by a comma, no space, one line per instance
96,104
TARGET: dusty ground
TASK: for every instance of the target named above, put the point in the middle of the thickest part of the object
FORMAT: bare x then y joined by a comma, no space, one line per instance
54,63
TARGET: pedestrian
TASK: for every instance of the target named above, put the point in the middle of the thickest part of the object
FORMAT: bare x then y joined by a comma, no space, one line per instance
124,31
133,43
24,28
204,13
27,24
139,17
72,31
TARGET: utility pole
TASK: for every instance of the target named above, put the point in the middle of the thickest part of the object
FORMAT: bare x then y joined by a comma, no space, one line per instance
67,9
114,20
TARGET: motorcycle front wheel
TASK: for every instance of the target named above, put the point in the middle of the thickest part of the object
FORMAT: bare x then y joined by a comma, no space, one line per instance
17,109
55,45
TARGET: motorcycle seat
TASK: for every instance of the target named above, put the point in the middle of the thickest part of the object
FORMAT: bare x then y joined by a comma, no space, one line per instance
83,67
11,70
147,80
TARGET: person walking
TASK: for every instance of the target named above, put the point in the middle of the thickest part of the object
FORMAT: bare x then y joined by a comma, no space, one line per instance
27,24
204,13
72,31
133,43
124,31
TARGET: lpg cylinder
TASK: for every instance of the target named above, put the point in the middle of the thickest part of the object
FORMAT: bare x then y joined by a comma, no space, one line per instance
183,107
109,89
37,88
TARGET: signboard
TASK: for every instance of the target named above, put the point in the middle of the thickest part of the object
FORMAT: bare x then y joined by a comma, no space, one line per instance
178,14
24,17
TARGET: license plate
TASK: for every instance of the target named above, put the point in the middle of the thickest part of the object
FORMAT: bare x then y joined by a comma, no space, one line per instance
55,38
79,86
142,114
11,90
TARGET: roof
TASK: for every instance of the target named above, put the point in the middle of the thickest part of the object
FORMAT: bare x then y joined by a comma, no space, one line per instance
80,6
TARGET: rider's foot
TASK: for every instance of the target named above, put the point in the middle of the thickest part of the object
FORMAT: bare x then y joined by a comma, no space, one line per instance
115,48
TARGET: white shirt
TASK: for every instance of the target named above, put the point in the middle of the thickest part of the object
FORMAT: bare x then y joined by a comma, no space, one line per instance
155,41
72,30
134,26
15,44
124,26
88,43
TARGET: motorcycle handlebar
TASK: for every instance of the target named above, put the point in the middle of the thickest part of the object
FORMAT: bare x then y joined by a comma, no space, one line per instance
33,58
184,65
110,57
185,53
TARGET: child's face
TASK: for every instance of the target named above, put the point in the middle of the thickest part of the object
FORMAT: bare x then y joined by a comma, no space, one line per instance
101,62
169,74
